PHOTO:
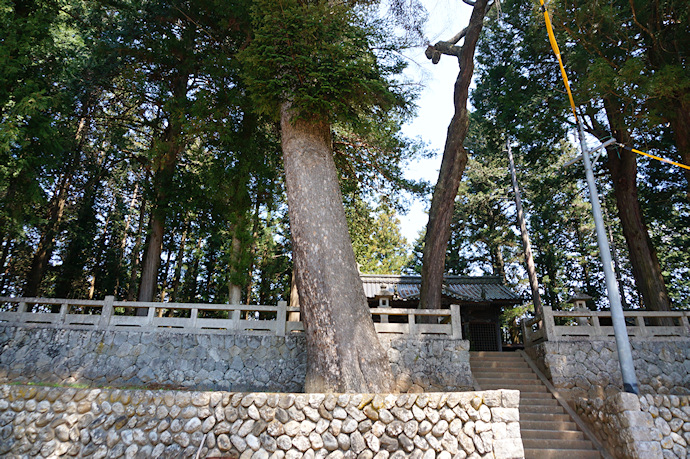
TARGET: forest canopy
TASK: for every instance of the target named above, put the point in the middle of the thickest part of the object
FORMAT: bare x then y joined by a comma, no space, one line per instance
140,149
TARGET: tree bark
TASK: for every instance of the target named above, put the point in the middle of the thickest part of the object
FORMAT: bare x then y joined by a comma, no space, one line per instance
343,351
680,123
526,246
622,166
452,168
136,259
234,290
45,247
162,184
179,260
83,232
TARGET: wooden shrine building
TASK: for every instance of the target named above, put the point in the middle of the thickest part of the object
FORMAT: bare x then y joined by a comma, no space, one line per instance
481,300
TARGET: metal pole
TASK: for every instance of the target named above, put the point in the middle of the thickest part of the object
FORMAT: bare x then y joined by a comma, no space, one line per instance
619,329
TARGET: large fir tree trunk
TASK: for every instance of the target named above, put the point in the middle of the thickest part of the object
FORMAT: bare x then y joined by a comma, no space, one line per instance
162,186
343,351
452,168
622,165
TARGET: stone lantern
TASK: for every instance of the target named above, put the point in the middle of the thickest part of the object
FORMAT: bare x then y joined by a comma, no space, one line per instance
579,301
385,295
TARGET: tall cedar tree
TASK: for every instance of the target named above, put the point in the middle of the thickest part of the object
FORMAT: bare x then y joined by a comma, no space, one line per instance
310,64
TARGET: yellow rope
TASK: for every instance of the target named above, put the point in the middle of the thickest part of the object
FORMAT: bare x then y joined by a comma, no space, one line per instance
557,52
658,158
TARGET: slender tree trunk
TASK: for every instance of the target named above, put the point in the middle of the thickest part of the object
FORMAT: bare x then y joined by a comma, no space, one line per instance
45,247
583,251
166,268
123,242
622,165
343,351
4,259
452,168
498,266
179,260
234,290
83,232
526,246
616,261
190,283
252,249
136,256
102,247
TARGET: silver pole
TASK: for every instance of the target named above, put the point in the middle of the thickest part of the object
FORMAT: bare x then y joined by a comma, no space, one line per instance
619,329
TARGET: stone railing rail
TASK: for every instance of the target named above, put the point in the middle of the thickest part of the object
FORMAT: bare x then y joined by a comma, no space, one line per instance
109,314
586,325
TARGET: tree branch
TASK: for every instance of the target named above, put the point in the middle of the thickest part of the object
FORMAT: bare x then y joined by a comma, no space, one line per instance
448,47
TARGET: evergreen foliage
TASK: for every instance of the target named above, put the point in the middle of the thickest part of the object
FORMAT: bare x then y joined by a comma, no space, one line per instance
318,56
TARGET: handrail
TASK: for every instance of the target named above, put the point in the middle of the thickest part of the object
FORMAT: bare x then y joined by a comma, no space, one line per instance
587,325
109,314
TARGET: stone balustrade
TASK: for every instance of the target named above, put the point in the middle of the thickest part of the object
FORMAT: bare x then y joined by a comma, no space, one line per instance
587,325
109,314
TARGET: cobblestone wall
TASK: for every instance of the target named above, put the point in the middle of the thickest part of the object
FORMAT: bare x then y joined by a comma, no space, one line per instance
640,427
208,362
618,422
671,416
98,423
591,369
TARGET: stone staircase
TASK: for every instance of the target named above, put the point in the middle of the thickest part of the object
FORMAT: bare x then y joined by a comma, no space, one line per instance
547,430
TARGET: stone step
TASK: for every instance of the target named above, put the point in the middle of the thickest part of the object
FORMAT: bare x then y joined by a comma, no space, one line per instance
548,425
538,401
495,355
550,417
534,443
506,381
534,453
552,434
553,409
498,367
536,396
498,363
533,388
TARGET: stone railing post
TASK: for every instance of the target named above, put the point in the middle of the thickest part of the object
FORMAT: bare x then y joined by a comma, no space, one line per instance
455,321
641,326
526,333
412,323
549,325
193,316
281,318
106,312
64,309
597,325
149,316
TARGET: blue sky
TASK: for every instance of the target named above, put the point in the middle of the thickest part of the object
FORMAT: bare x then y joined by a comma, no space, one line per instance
446,18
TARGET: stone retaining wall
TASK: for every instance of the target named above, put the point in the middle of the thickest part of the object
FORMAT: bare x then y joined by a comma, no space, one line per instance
640,427
99,423
590,369
208,362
